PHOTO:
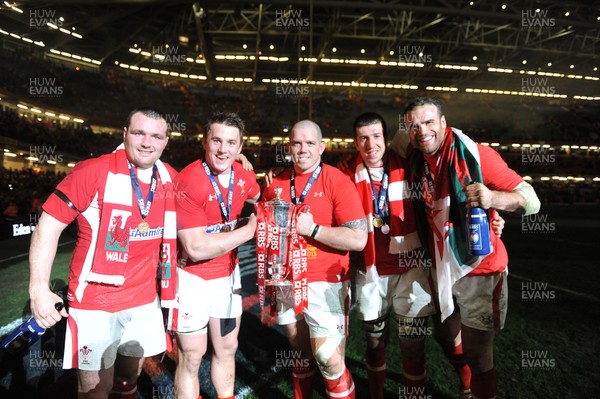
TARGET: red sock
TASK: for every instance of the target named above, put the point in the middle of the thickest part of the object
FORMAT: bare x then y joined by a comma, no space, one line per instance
123,390
484,385
376,371
414,373
304,379
457,360
340,388
228,397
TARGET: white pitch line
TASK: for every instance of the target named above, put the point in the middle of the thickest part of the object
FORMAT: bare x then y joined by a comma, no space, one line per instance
556,287
248,263
15,323
12,325
27,253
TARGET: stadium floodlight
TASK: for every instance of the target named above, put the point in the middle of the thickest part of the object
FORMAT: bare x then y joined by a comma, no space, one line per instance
13,7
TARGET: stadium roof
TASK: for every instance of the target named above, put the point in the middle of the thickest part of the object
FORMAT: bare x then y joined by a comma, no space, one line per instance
548,47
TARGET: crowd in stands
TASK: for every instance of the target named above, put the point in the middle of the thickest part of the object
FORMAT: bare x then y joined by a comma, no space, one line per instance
22,187
81,143
23,191
77,140
525,162
567,192
104,97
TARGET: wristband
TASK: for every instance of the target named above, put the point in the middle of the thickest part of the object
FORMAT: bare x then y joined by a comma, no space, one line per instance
314,230
317,232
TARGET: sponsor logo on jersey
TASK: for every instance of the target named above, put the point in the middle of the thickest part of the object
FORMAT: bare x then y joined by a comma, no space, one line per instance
136,235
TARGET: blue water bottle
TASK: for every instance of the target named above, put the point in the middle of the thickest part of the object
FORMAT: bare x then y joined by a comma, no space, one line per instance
25,335
478,232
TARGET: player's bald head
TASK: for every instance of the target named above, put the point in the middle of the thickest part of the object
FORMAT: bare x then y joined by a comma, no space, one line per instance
307,125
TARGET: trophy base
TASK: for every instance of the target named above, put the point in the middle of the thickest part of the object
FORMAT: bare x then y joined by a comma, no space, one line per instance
279,283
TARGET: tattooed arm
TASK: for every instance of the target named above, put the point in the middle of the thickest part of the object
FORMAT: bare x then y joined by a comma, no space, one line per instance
351,236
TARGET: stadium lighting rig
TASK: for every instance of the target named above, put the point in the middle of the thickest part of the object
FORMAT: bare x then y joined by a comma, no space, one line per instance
63,30
514,93
161,71
25,39
148,54
542,73
50,113
76,57
11,6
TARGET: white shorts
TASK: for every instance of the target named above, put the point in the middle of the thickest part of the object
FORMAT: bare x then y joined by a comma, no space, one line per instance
407,294
482,300
94,337
201,299
327,312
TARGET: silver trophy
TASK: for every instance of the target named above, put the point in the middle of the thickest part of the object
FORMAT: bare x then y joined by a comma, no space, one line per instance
278,214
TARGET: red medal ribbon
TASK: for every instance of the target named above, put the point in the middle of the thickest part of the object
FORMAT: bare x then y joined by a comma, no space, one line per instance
262,238
298,263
